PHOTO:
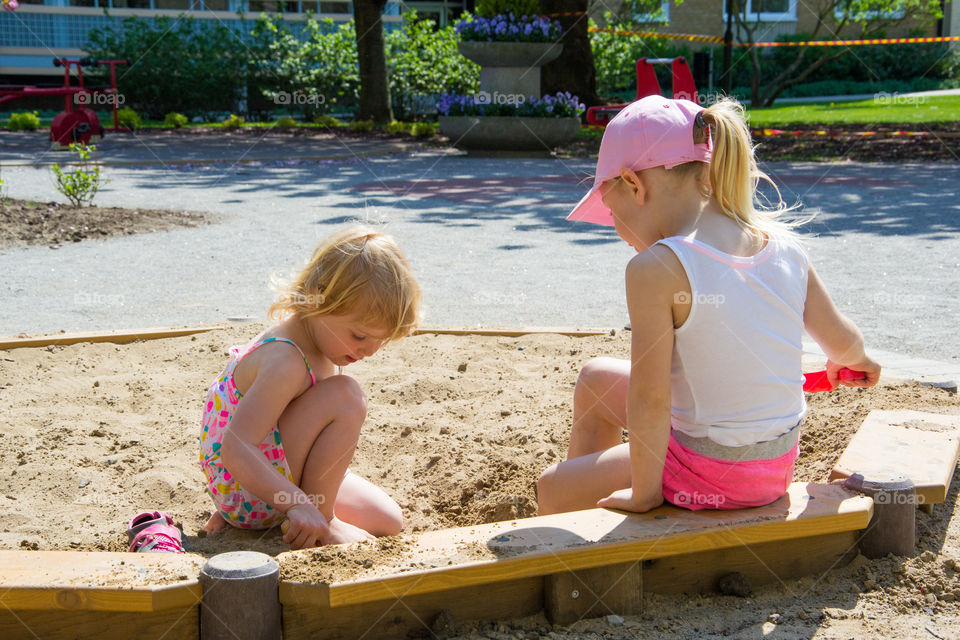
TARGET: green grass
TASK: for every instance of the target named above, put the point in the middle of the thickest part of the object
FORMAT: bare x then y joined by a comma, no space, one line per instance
887,108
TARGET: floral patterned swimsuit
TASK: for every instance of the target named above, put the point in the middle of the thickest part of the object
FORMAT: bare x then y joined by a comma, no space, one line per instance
238,506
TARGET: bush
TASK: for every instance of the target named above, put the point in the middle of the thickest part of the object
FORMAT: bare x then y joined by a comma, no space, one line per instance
128,118
175,120
328,121
615,59
286,123
395,128
178,64
361,125
233,121
82,184
317,64
490,8
423,129
24,121
424,63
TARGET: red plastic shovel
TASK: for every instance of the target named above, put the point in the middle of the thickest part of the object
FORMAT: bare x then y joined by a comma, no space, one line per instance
818,381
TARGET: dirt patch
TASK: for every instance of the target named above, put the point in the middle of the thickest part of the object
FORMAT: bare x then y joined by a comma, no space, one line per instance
24,223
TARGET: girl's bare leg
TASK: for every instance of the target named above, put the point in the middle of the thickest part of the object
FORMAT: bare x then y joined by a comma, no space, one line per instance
577,484
366,505
599,406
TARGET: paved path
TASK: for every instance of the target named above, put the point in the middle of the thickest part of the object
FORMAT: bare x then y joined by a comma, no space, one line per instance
487,238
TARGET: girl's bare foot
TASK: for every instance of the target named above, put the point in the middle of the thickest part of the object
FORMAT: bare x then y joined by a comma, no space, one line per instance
215,523
342,532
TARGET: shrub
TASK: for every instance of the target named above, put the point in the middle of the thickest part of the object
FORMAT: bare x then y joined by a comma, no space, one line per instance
233,121
361,125
175,120
128,118
424,63
178,64
395,127
423,129
81,185
286,123
24,121
490,8
328,121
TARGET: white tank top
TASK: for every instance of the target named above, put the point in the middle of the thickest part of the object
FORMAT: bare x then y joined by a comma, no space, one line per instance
736,376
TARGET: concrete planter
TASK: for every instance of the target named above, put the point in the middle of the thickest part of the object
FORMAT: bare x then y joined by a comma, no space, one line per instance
508,133
510,68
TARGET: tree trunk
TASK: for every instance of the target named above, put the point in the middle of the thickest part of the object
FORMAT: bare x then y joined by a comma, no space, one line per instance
573,71
372,60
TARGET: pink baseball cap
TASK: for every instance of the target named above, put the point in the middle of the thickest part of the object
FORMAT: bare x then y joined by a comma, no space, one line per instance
651,132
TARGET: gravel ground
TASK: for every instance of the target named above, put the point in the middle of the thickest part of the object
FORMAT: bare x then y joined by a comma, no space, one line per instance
486,236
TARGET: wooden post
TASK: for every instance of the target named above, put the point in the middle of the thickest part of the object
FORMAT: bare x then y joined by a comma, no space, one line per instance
892,528
590,593
240,597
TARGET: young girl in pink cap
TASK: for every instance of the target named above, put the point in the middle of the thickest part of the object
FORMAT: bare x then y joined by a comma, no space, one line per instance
719,295
280,424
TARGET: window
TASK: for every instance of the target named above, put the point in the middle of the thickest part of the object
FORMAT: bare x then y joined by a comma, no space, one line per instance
861,10
769,10
273,6
647,11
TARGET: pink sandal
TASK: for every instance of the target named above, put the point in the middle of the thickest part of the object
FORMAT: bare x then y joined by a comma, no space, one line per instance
154,531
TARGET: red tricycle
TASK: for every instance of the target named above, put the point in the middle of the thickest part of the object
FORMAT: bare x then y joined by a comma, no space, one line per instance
78,124
647,85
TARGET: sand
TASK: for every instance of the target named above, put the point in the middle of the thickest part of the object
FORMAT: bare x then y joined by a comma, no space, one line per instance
458,429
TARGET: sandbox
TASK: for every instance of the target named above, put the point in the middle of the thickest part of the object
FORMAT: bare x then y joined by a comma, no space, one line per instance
458,429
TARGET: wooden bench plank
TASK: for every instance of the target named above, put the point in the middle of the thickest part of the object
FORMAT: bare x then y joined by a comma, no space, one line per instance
441,560
922,446
101,336
100,581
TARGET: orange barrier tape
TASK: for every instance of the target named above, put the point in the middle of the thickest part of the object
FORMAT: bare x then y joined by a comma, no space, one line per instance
690,37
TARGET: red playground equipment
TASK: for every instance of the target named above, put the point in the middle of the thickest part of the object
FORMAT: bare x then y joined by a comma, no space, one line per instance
647,85
78,124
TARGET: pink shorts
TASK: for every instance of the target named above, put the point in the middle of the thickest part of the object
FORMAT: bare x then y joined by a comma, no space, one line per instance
695,481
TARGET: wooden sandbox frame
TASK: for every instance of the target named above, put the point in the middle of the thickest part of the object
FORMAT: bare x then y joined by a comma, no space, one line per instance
570,566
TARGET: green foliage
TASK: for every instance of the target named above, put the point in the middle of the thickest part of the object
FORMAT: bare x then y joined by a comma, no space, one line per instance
175,120
128,118
395,127
81,184
286,123
423,62
180,64
361,125
24,121
233,121
423,129
313,71
490,8
3,191
328,121
615,58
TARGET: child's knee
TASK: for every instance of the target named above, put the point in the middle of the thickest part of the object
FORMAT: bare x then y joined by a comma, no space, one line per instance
351,401
598,375
392,521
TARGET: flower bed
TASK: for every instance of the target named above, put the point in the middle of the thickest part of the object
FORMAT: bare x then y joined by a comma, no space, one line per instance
509,28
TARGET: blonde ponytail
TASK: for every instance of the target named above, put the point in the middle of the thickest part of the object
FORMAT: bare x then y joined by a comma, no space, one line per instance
734,175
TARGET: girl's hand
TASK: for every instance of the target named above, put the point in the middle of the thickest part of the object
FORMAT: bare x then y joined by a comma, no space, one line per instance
627,500
307,526
867,365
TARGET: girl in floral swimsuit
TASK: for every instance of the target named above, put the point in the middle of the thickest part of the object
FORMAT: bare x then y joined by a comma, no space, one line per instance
280,424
